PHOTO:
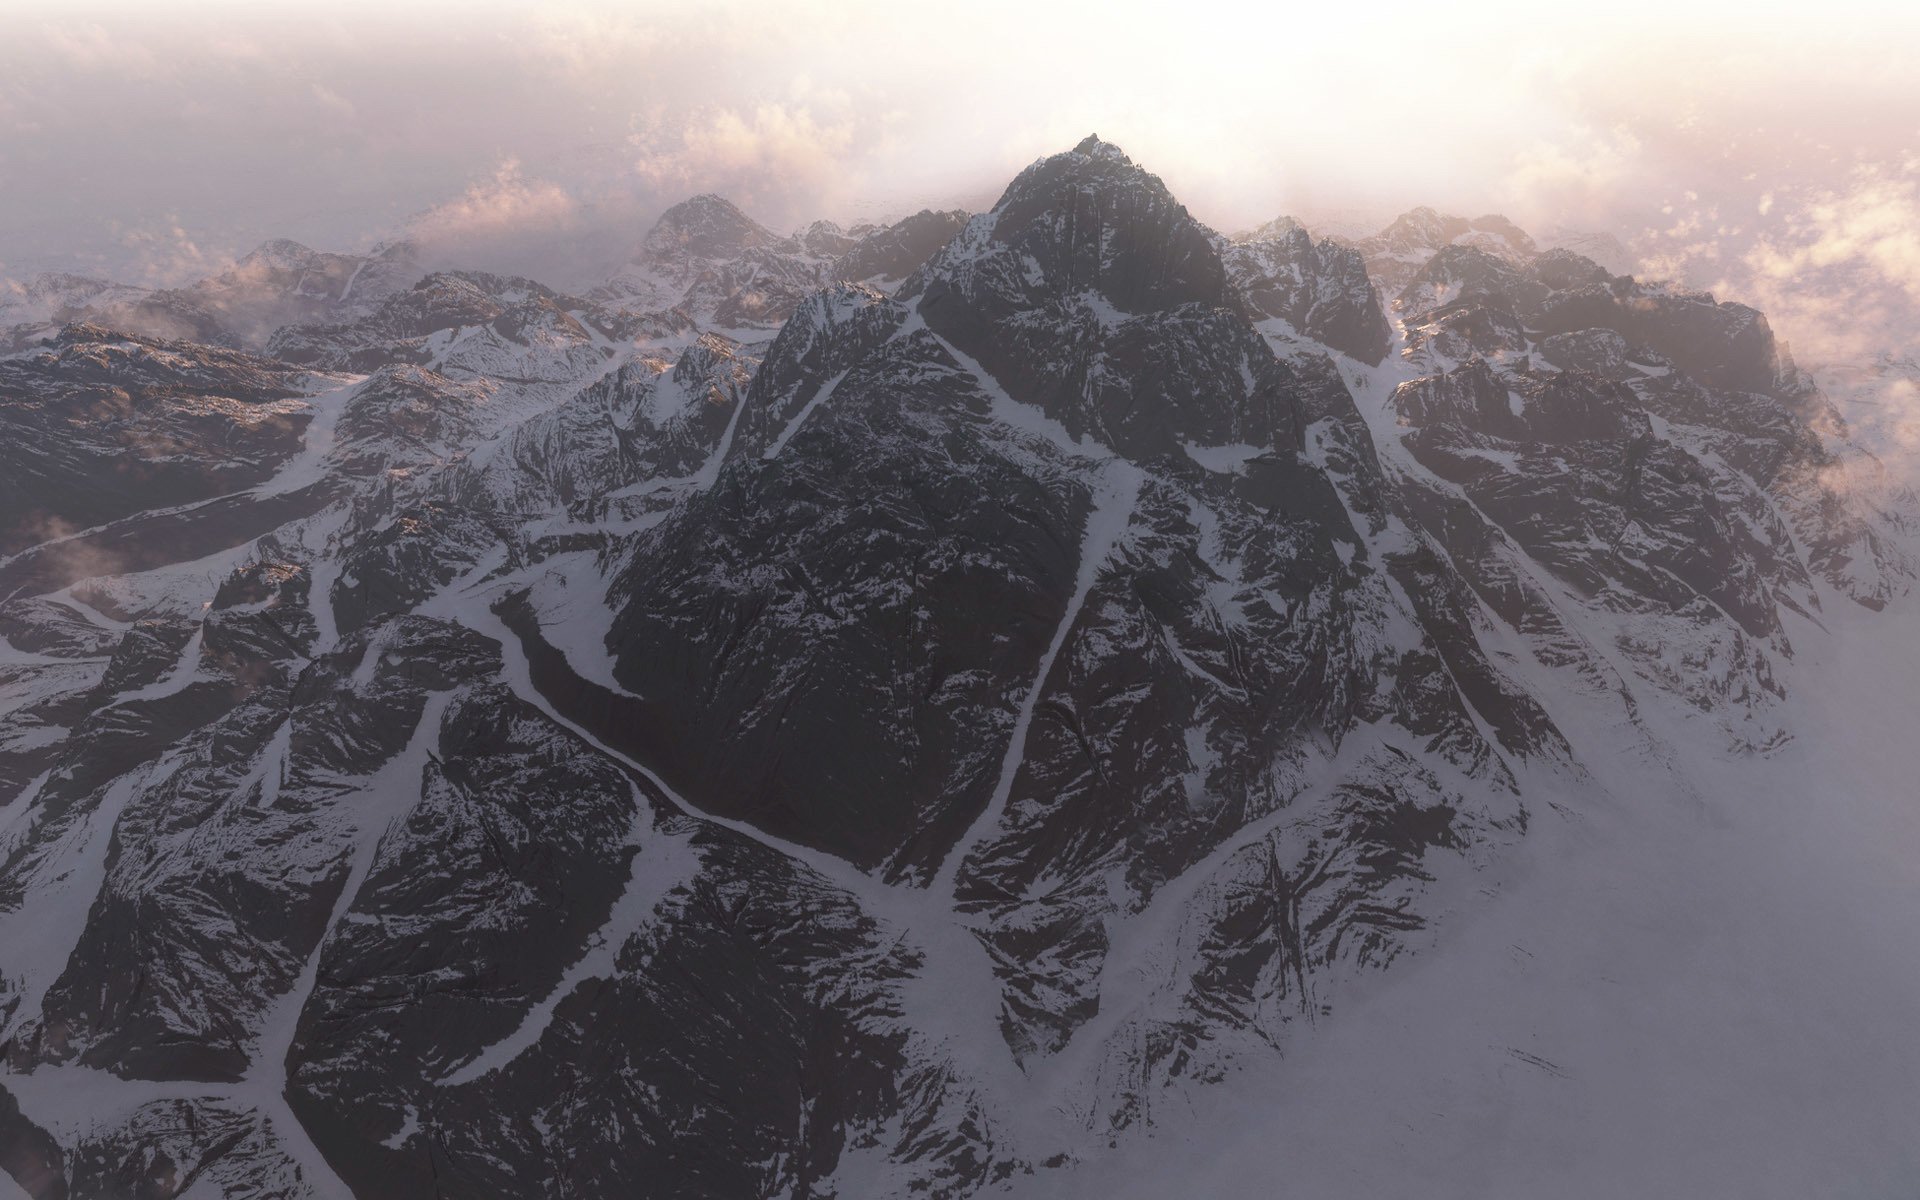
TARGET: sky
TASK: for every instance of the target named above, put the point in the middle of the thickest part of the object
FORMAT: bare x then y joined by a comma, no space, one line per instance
1733,145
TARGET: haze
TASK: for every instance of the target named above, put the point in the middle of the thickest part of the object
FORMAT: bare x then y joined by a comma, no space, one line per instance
1730,147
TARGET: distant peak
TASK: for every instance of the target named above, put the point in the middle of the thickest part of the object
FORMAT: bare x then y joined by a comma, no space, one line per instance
279,252
1093,147
708,226
1277,229
708,206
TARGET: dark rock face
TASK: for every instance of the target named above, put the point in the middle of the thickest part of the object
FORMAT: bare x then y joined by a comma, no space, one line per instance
649,421
706,263
1321,290
889,748
707,226
1089,221
1397,253
1187,609
97,425
504,310
1722,345
280,283
1460,274
1091,293
889,254
796,591
1644,446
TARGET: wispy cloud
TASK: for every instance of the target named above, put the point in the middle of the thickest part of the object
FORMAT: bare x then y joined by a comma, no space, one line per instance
769,152
335,123
162,252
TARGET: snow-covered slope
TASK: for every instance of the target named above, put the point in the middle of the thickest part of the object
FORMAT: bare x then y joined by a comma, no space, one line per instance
279,283
708,264
1052,702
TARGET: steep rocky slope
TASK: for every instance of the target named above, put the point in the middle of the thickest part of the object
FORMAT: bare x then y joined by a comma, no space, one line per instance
877,712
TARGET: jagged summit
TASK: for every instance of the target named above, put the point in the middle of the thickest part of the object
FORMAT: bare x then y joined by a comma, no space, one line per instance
1319,289
703,226
1085,221
1398,252
50,281
279,252
1093,147
826,722
1280,227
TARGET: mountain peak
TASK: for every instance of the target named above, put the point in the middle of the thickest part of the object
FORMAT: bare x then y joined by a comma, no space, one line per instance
704,226
1093,147
278,252
1278,228
1087,220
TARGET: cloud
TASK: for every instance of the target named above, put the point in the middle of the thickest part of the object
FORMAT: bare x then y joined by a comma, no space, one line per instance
1576,178
507,204
518,224
162,253
773,154
1766,179
583,42
1872,225
1837,269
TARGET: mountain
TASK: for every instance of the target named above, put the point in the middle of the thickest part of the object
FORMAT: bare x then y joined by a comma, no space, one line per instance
1396,253
34,309
1604,249
1321,291
707,263
279,283
905,710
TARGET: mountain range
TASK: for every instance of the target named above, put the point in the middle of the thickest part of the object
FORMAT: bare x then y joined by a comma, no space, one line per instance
900,710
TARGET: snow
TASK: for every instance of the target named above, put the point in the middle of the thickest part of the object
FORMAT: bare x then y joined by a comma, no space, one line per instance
1114,494
68,1099
183,674
570,596
11,811
308,467
347,291
786,435
1109,315
1694,976
41,934
409,1126
1667,996
1023,418
270,771
1224,460
952,1005
382,800
709,474
1142,960
662,862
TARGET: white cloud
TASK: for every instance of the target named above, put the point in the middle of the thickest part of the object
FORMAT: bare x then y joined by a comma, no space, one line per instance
767,154
162,253
506,204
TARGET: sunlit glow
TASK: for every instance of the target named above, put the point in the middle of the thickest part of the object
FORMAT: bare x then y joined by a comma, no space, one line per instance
155,141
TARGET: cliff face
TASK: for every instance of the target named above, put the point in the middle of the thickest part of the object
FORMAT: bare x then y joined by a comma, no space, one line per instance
864,713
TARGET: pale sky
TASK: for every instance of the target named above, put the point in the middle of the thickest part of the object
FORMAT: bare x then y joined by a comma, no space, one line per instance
155,141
